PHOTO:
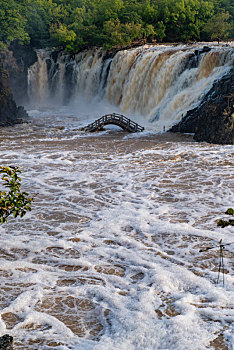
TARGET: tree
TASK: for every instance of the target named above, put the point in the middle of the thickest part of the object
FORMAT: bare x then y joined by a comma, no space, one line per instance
218,27
116,33
40,15
76,24
12,24
183,19
63,36
14,202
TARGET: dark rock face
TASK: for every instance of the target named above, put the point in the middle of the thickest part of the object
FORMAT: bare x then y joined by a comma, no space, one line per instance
6,342
217,125
213,120
16,60
9,112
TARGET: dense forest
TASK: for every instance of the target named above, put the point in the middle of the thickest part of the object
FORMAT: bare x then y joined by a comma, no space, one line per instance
76,24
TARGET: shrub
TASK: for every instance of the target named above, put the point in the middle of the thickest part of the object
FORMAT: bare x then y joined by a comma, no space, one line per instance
13,202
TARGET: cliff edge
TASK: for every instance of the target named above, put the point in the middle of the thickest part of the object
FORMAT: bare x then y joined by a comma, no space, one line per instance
213,120
9,112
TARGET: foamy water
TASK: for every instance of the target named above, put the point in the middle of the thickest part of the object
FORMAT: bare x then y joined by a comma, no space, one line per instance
109,256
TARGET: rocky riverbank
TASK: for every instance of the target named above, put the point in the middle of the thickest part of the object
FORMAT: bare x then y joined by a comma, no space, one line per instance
213,120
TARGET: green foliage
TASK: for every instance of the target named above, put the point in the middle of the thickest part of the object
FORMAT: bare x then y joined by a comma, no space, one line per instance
184,19
63,36
230,211
75,24
117,33
218,26
40,15
223,223
12,23
14,202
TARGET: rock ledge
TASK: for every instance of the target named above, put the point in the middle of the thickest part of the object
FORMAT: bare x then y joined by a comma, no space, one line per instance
213,120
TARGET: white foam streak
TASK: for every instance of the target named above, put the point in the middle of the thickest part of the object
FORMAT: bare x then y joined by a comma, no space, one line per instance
109,256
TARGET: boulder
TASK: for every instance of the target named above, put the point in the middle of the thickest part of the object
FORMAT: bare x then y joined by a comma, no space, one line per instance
6,342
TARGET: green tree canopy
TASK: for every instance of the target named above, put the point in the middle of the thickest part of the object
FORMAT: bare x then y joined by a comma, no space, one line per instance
75,24
218,27
12,23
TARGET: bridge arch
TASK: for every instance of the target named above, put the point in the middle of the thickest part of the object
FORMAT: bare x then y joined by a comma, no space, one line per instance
115,119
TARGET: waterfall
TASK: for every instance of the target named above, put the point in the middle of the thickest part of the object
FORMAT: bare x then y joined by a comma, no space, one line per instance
38,87
160,83
60,77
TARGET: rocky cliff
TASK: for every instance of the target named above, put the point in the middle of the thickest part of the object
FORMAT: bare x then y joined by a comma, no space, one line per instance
16,59
213,120
9,112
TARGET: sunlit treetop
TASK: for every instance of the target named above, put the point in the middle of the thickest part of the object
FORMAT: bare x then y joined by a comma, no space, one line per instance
76,24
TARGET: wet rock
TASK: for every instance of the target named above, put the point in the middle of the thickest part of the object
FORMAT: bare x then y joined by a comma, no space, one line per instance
128,228
16,59
9,112
21,113
6,342
204,49
213,120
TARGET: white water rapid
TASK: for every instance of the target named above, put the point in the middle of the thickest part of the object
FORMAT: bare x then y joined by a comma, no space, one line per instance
109,257
156,85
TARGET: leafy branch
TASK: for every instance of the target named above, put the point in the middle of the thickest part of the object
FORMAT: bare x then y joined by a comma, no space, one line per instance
223,223
13,202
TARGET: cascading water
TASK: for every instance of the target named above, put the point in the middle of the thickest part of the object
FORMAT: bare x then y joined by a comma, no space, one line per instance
158,83
60,77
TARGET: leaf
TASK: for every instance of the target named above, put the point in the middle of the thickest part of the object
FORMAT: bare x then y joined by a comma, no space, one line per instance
230,211
14,201
23,212
222,223
5,179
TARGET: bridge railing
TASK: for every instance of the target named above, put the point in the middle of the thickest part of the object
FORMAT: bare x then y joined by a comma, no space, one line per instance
119,119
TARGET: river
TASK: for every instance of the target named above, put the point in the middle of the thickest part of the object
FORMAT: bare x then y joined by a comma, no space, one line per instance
109,258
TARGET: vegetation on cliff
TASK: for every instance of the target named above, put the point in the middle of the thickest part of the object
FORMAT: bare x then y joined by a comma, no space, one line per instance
76,24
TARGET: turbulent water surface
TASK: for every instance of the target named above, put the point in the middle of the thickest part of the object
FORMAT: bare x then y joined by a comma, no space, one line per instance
109,256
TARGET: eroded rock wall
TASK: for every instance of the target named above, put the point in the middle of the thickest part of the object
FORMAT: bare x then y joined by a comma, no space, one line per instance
16,59
9,112
213,120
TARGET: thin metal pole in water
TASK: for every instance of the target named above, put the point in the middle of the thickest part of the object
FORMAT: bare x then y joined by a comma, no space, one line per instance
221,263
